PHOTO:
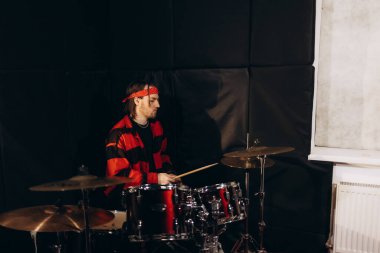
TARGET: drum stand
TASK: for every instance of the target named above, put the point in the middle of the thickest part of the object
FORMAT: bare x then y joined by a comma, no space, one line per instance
210,242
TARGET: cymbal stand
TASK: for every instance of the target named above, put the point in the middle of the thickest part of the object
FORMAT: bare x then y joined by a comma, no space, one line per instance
261,195
85,204
246,238
58,246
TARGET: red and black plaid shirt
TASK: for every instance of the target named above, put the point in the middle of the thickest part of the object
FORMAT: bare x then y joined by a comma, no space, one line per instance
125,154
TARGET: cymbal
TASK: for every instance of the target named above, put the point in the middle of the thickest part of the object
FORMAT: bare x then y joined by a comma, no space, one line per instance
50,218
80,182
246,163
258,151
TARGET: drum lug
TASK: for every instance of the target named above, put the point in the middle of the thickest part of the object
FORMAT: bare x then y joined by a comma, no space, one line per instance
124,199
175,195
190,226
139,229
230,209
176,226
215,206
138,197
240,194
203,214
227,195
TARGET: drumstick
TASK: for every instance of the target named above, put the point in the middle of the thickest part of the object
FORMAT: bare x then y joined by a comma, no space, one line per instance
196,170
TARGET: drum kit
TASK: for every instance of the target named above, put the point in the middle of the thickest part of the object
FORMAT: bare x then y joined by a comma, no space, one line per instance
155,213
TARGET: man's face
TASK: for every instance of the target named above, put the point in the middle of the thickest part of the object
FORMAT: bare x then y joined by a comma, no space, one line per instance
148,106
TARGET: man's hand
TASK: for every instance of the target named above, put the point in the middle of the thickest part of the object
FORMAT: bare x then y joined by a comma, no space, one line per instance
165,178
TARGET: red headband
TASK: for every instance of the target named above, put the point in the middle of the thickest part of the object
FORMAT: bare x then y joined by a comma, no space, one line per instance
142,93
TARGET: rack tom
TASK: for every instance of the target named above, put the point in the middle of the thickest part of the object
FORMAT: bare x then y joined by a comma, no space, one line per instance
159,212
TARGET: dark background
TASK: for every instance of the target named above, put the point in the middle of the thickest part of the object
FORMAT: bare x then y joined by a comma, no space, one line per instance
224,68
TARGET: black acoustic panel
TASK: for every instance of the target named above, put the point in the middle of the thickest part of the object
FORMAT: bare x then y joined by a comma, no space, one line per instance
211,33
282,32
2,179
31,34
212,106
33,109
16,241
86,32
282,239
141,34
297,189
281,106
88,118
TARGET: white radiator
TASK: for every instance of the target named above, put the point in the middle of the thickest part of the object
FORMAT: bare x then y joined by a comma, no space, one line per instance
357,218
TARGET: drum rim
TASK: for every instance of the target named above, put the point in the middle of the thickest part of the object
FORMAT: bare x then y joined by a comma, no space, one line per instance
216,186
148,187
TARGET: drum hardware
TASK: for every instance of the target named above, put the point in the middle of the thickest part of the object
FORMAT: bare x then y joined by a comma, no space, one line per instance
79,183
190,226
58,246
139,229
218,202
258,151
261,196
52,218
245,163
251,158
85,205
211,244
83,182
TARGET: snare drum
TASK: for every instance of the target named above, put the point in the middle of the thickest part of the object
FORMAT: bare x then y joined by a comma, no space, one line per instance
223,202
158,212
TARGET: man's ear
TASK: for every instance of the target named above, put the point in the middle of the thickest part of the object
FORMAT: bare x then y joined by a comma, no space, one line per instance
136,100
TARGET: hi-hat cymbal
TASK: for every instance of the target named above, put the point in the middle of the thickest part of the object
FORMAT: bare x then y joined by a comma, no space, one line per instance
238,163
258,151
51,218
80,182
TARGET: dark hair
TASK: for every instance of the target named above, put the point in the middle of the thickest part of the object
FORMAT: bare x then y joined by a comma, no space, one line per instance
130,106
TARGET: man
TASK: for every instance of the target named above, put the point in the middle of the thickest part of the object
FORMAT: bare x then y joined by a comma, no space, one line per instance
136,145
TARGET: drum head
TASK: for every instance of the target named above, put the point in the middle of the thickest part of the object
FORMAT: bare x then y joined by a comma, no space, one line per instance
115,224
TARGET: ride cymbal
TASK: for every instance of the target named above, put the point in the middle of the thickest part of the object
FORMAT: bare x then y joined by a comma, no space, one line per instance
50,218
80,182
258,151
238,163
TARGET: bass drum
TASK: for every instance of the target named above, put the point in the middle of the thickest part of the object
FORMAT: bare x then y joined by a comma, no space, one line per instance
159,213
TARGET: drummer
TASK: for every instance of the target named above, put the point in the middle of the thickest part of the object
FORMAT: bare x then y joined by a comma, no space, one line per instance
136,145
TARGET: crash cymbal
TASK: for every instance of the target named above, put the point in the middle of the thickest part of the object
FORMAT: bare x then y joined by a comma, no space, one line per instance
258,151
238,163
51,218
80,182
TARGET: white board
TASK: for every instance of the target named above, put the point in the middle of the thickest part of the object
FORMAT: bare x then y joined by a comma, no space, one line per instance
346,122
